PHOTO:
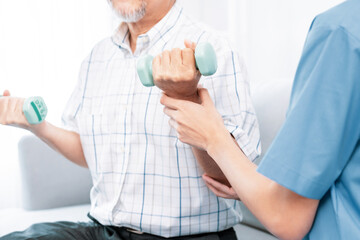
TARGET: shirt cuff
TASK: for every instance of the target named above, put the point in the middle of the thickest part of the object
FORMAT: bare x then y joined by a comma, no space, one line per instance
69,126
243,141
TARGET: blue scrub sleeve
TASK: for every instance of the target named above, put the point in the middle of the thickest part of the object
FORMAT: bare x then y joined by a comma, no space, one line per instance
322,125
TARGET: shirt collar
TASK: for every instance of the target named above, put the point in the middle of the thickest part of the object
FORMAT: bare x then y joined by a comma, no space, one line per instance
159,31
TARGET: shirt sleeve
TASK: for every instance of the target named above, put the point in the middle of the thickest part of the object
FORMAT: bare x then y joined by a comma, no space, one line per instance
322,125
73,106
229,89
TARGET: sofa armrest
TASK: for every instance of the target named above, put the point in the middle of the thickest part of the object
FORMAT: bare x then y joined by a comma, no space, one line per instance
48,179
271,101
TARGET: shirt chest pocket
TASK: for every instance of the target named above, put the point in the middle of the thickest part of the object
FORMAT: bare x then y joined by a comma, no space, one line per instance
100,140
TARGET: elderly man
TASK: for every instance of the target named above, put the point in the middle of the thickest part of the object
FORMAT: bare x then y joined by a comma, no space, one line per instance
147,184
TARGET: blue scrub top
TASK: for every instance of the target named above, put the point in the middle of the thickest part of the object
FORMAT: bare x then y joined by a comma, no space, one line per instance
317,151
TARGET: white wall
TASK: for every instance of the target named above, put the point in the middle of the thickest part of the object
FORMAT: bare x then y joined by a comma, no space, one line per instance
42,43
276,33
269,33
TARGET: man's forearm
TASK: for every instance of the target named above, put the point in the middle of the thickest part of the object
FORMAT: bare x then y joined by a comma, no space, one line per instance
209,165
65,142
206,162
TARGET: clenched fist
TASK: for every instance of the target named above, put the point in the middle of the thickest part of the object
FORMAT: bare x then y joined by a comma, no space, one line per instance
175,73
11,112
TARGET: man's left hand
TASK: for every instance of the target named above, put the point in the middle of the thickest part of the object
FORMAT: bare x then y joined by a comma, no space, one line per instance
175,73
219,189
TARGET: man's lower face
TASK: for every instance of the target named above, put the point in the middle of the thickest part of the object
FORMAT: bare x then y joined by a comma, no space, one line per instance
129,10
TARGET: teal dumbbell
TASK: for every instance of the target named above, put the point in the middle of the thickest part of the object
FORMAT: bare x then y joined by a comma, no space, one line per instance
35,110
205,58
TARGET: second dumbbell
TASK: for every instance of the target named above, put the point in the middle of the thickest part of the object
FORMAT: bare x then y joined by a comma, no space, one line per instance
34,109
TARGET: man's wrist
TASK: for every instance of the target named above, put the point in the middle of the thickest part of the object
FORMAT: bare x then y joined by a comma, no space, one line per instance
38,129
193,97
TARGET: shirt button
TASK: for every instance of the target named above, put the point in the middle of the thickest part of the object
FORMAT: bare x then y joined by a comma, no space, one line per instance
122,149
125,107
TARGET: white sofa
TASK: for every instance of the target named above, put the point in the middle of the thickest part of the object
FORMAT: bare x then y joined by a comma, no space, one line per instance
54,189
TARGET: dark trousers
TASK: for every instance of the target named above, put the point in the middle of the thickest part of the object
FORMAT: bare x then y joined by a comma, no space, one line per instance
94,230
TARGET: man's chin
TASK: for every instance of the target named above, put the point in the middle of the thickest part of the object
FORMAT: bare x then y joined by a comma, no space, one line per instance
131,15
130,19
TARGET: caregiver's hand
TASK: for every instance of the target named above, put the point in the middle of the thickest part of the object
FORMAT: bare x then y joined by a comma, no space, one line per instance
199,125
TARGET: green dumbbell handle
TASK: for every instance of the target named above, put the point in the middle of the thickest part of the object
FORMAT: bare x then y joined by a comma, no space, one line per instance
205,58
35,110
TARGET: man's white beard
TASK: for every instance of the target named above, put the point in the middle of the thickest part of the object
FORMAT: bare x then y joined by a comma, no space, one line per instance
132,16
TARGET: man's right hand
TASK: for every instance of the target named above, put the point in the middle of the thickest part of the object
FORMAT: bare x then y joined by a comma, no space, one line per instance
11,111
175,73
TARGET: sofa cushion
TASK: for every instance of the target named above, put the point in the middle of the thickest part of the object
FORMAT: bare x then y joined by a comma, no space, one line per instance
48,179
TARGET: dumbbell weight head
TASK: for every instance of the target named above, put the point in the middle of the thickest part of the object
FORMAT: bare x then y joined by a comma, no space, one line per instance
205,58
144,70
35,110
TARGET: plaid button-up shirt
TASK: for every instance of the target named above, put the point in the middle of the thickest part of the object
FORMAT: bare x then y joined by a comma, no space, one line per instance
144,177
